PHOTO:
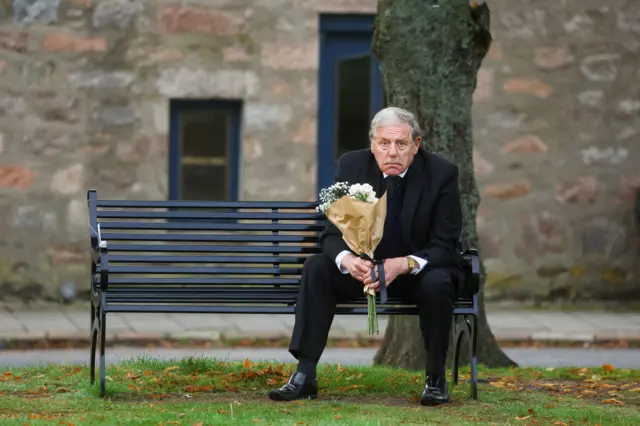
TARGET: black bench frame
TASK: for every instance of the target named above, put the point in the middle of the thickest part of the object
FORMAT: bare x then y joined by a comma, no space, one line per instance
111,293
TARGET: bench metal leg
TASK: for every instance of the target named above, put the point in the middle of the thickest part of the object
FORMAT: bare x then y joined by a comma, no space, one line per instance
94,340
466,325
103,372
474,356
98,331
458,334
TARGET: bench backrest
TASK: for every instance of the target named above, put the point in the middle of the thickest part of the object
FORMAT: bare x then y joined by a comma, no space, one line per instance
216,243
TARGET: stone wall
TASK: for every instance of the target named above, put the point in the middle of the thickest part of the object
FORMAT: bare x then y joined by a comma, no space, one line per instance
84,89
557,131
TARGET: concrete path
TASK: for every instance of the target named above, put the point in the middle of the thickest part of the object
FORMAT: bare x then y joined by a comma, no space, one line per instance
20,323
545,357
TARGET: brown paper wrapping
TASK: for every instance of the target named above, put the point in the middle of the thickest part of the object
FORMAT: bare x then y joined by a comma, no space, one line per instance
360,223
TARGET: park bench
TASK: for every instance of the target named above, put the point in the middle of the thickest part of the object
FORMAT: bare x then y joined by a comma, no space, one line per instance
222,257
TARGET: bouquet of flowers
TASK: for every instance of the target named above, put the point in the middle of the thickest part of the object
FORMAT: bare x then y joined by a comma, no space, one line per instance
359,215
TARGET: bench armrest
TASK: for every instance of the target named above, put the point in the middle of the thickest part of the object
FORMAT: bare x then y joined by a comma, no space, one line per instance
99,257
472,270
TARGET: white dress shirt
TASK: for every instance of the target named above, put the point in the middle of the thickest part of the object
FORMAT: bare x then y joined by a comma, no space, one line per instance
421,262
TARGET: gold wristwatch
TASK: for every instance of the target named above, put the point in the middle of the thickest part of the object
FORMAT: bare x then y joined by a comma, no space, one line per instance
412,264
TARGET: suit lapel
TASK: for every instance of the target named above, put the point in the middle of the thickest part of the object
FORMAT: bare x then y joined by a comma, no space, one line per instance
416,177
373,175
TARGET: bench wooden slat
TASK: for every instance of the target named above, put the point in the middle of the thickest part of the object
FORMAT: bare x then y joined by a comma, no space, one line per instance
205,226
211,238
226,295
145,214
191,248
167,204
253,309
201,281
206,259
179,270
285,297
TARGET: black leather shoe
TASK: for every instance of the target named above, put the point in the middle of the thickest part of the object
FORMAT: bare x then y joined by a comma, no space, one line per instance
297,387
435,392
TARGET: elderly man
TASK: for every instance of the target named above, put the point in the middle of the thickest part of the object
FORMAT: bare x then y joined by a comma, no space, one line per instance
419,247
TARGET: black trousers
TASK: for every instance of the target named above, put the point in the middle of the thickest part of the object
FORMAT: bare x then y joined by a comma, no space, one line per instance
323,286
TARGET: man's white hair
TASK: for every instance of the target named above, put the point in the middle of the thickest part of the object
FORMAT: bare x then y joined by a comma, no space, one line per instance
394,115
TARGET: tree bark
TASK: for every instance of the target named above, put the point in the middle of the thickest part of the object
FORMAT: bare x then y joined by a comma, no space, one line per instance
430,52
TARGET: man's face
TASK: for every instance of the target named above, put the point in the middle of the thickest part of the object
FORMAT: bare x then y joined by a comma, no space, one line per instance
393,148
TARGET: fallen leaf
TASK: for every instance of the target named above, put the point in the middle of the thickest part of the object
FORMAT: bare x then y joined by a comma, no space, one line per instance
247,364
62,390
634,390
608,367
522,418
180,415
560,424
221,411
35,416
613,401
173,367
606,386
530,410
548,385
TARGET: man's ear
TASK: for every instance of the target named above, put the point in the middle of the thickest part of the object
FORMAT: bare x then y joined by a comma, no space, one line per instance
417,141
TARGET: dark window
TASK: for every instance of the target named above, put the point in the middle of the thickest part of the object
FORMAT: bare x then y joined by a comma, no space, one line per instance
352,104
204,150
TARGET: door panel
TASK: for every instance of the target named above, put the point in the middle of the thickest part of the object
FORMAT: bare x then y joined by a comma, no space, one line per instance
349,91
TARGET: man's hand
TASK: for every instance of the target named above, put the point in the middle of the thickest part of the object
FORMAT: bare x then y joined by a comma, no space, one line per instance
358,268
393,268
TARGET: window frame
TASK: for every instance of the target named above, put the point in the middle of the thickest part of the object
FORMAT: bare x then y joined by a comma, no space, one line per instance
178,106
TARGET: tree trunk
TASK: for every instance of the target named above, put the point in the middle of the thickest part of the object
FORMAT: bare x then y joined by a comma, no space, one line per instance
430,52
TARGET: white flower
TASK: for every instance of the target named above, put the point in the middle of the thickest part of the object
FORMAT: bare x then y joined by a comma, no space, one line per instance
331,194
363,192
367,188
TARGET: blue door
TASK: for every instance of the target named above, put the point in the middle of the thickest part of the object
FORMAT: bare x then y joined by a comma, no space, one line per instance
349,89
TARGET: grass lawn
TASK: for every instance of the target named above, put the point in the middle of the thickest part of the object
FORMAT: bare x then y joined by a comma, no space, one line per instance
200,391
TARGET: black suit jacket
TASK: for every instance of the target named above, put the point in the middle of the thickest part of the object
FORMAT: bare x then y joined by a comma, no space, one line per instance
431,212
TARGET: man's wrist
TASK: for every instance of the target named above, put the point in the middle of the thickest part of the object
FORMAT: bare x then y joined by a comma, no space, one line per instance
340,259
410,264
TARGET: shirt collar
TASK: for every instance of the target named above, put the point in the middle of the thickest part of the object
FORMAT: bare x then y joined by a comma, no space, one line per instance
401,174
